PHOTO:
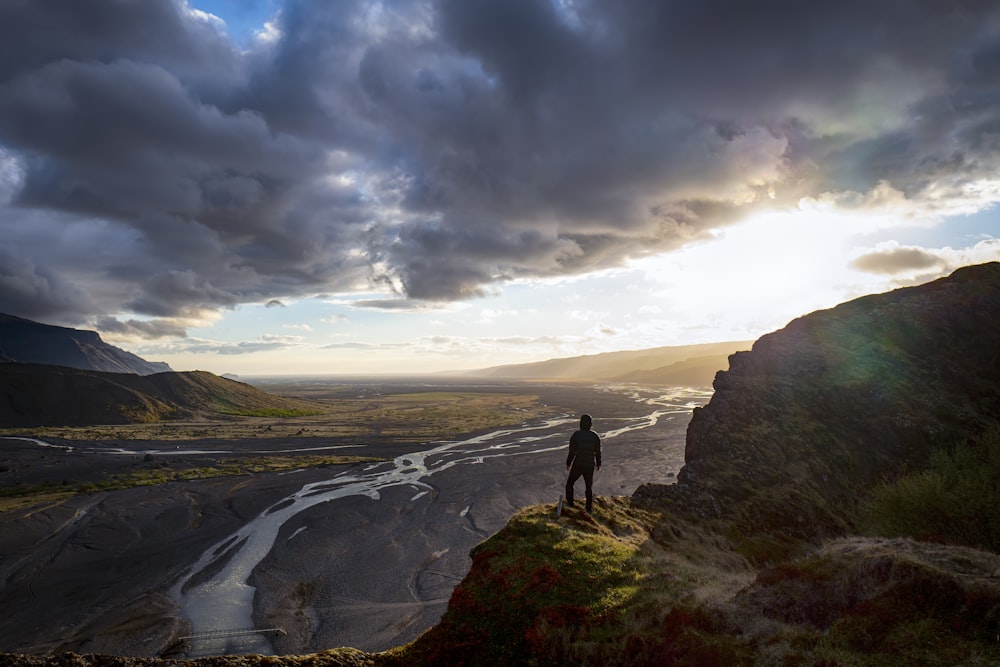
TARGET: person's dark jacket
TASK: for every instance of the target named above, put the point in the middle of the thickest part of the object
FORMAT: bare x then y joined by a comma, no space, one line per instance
584,449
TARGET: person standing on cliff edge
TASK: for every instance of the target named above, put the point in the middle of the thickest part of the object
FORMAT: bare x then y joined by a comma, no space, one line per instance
584,457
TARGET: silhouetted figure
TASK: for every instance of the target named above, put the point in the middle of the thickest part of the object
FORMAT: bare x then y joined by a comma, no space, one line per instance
584,457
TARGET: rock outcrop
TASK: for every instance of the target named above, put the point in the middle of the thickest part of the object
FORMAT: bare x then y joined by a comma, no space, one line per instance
802,426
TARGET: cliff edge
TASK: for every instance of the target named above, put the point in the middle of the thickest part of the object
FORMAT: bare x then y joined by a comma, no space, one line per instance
806,423
837,507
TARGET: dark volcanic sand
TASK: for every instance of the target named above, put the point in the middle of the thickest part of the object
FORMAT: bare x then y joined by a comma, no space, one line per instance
92,574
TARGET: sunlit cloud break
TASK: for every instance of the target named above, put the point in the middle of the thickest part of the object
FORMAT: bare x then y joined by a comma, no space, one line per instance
428,152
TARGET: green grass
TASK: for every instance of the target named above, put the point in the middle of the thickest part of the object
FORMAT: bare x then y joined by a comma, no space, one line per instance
634,586
575,590
955,500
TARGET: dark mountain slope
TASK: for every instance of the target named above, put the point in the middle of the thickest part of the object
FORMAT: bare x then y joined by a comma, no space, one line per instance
34,395
29,342
803,425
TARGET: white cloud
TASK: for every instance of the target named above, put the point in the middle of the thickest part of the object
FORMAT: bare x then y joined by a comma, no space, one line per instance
195,14
269,33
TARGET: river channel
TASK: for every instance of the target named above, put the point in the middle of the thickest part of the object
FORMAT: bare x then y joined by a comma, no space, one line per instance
364,555
492,473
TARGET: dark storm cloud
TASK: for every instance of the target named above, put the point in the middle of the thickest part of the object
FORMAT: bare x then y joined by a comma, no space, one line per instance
34,291
440,148
39,32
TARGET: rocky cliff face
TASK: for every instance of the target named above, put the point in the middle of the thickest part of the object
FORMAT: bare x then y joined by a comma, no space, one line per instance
802,426
28,342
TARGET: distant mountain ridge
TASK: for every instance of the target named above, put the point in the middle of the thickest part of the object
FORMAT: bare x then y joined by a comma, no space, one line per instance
689,365
28,342
57,376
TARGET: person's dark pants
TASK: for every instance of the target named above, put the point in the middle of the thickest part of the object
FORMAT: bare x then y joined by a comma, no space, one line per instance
588,479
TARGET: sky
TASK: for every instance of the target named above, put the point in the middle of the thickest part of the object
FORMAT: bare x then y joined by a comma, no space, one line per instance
334,186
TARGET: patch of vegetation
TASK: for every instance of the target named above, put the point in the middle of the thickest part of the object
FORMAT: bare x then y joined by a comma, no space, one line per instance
448,414
576,590
43,496
337,657
402,417
955,500
881,602
635,586
58,396
279,413
19,495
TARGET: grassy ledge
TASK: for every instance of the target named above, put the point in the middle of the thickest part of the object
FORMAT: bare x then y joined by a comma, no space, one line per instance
636,585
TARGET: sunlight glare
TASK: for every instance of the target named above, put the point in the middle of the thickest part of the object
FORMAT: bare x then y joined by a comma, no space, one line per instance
767,270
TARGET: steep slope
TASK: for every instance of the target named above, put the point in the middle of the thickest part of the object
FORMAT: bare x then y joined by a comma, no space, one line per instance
803,425
29,342
34,395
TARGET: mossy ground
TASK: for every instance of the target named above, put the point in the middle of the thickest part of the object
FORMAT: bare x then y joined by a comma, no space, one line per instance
637,586
579,589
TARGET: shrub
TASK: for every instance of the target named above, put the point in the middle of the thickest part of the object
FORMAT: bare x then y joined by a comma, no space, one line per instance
956,500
